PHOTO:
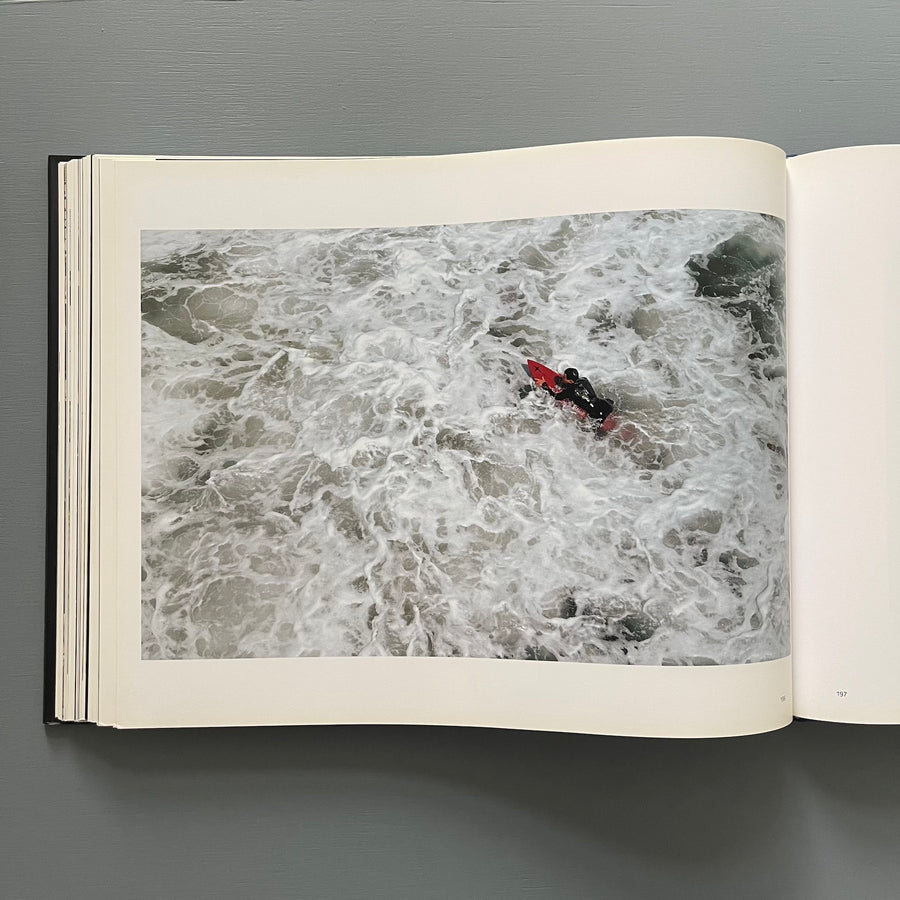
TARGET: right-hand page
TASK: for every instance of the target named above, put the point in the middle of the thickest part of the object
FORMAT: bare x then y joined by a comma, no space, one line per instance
843,274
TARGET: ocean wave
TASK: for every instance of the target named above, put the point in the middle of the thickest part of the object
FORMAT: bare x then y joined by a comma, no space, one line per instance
339,457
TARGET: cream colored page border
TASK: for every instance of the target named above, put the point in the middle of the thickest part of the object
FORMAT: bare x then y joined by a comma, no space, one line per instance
698,173
844,314
104,488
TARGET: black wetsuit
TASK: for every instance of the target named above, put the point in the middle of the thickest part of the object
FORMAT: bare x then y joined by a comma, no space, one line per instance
583,395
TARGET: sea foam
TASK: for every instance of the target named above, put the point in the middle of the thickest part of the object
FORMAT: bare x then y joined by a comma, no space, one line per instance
340,458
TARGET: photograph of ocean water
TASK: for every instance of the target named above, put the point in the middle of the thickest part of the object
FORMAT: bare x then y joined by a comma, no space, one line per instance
345,454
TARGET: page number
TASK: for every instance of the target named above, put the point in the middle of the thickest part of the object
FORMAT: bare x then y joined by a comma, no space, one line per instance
841,693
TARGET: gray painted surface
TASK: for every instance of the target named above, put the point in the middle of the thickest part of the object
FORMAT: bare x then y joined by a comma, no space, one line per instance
812,811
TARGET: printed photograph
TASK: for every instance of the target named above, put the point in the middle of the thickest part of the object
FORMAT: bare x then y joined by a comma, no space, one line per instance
553,439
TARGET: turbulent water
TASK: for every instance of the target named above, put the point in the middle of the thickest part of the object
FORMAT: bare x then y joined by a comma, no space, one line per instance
339,457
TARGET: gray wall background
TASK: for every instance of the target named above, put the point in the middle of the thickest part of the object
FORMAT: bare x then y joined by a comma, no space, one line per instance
812,811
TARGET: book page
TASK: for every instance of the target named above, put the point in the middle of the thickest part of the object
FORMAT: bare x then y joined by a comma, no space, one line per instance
346,491
844,310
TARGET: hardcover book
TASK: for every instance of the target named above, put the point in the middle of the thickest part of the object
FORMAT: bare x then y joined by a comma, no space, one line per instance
592,437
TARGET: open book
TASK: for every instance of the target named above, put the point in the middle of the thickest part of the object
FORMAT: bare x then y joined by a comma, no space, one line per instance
493,439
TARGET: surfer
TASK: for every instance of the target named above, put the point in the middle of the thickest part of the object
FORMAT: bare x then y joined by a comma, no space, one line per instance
580,392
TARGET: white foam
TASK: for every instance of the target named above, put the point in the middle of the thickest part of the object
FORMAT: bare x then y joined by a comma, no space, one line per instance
348,468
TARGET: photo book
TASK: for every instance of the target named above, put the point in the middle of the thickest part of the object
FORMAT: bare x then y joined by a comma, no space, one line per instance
592,437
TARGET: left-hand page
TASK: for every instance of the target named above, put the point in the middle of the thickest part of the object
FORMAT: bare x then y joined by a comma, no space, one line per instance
333,491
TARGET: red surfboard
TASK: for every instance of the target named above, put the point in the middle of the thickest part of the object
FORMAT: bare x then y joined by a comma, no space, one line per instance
545,377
